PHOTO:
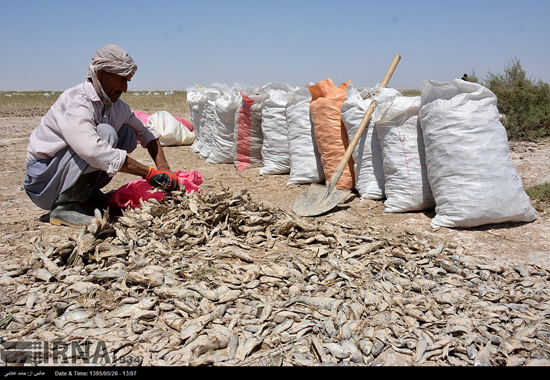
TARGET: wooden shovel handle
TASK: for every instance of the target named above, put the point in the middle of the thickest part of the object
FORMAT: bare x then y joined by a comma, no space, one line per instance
390,71
340,168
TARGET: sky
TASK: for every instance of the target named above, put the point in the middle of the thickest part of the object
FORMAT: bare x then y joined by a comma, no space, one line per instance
46,45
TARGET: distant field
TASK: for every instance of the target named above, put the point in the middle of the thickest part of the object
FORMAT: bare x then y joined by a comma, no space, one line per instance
410,92
174,102
37,103
28,103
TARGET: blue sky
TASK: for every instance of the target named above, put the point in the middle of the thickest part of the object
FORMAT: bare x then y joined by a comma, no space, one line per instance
47,44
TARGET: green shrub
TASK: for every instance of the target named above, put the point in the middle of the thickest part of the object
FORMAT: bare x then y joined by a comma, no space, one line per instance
540,195
472,77
525,102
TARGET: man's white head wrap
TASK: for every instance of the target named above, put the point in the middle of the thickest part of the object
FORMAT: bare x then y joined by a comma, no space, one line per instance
113,59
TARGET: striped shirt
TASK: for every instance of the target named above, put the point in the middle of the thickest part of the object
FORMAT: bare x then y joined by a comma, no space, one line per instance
72,121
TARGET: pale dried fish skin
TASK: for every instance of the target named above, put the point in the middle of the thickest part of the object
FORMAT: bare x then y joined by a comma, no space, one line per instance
232,282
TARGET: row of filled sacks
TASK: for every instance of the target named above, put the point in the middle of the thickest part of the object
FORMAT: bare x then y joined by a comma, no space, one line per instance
213,113
399,158
304,132
445,150
267,127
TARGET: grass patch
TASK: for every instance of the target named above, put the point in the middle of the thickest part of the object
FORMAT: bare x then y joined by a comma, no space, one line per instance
540,195
206,274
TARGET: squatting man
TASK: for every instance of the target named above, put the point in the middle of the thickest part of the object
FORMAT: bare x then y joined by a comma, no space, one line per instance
84,140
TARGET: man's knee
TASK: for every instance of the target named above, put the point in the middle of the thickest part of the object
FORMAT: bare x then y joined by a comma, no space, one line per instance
125,139
108,133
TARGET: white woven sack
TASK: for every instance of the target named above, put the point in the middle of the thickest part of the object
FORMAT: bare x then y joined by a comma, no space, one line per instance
194,99
404,158
275,153
171,130
223,125
209,122
471,172
201,102
305,159
367,154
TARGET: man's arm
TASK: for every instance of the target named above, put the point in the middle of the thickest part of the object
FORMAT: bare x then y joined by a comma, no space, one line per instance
155,177
157,154
134,167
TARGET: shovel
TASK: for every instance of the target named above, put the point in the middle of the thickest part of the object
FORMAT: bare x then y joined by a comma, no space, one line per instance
319,198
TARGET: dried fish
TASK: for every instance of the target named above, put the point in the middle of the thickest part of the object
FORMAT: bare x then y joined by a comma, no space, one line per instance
337,350
355,354
217,279
77,315
319,302
31,300
244,349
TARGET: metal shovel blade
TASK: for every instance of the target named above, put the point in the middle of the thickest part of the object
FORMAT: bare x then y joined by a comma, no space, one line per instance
318,199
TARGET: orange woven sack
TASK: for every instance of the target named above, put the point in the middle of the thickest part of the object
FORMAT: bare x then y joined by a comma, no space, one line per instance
330,133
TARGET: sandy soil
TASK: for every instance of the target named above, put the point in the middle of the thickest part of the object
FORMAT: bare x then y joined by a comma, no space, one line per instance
505,244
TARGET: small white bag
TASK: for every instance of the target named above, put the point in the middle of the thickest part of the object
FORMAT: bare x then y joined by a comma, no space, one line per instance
172,131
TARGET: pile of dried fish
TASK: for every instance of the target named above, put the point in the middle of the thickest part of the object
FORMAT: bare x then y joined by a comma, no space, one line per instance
216,279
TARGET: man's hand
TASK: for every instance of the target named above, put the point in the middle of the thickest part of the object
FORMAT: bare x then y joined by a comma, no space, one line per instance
164,179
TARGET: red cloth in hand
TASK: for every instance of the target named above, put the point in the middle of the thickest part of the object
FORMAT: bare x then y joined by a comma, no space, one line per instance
131,194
